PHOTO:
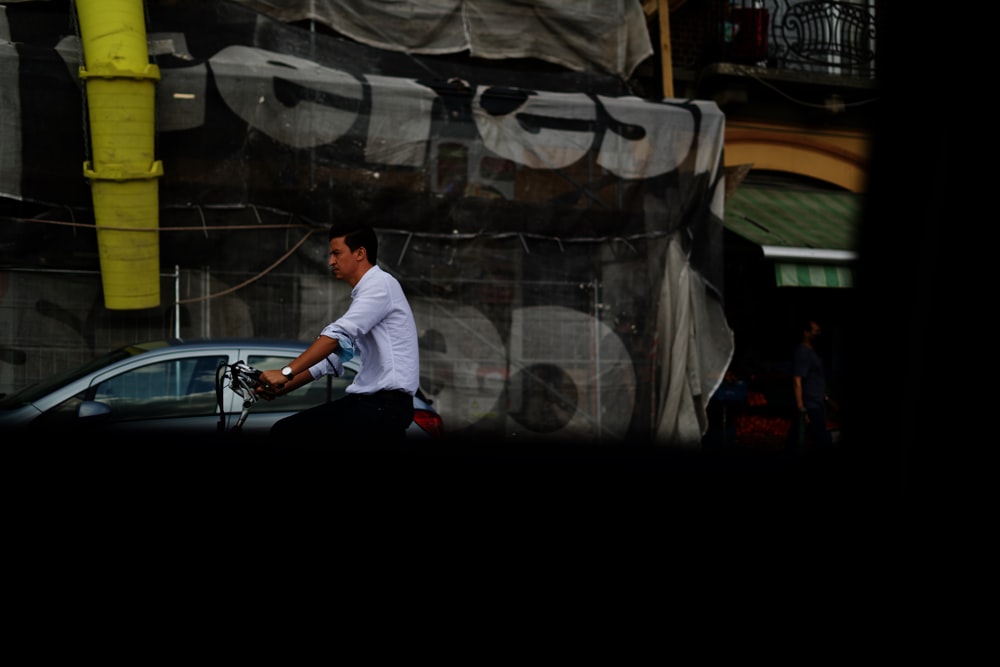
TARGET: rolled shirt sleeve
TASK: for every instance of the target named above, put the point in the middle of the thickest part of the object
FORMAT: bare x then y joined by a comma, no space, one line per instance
334,364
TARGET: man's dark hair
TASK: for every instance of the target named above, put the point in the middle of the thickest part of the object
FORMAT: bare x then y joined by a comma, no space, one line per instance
355,236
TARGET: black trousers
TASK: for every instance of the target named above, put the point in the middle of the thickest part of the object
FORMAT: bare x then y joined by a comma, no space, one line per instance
352,421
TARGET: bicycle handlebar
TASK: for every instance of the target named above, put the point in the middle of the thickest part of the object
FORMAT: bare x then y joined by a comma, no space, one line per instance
242,379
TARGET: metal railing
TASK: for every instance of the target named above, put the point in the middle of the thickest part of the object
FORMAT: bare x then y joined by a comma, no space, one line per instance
823,36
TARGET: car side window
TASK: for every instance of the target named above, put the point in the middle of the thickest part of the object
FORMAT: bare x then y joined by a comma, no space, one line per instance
319,391
173,388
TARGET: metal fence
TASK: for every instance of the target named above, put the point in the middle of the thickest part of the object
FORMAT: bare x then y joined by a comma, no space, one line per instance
822,36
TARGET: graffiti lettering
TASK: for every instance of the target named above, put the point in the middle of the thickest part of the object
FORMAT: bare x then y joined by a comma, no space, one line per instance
303,104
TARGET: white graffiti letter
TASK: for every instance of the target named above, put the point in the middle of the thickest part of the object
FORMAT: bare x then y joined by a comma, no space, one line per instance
291,100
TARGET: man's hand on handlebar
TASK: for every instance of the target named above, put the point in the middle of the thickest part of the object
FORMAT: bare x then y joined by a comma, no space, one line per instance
272,384
267,392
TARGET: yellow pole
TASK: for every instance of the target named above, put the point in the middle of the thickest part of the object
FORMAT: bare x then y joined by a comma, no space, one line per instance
121,93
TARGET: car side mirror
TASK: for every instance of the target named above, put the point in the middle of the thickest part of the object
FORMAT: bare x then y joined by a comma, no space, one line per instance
93,410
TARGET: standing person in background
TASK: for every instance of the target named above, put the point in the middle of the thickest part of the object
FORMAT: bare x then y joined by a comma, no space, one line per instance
809,388
379,328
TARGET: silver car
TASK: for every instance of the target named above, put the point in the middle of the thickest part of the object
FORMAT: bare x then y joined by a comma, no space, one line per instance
172,386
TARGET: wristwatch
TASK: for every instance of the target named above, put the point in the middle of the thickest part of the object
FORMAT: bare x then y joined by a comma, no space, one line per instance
287,372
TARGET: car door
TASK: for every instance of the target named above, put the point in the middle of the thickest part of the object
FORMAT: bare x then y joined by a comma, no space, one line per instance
175,391
169,389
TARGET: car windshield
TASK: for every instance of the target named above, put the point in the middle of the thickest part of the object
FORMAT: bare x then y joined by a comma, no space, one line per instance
35,391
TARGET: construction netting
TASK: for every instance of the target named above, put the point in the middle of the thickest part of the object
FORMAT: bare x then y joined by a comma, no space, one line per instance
560,240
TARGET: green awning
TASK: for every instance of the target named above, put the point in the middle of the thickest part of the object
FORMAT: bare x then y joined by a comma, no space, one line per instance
787,274
810,235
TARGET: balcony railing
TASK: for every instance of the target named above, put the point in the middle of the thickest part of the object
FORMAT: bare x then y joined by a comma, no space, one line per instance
822,36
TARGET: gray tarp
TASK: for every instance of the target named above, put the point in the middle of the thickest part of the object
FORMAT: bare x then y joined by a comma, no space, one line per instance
608,36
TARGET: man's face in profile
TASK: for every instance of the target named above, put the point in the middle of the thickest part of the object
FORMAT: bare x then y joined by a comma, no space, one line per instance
346,264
